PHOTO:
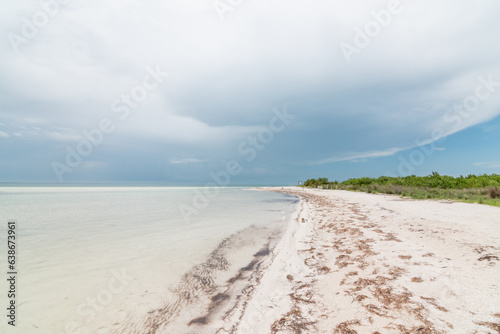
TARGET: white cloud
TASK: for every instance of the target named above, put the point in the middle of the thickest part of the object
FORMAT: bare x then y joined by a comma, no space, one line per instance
492,164
363,156
360,156
63,135
187,161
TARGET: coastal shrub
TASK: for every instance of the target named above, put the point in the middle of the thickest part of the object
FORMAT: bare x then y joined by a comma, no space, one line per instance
471,188
434,180
494,192
322,181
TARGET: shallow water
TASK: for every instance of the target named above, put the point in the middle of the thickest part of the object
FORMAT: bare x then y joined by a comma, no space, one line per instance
91,259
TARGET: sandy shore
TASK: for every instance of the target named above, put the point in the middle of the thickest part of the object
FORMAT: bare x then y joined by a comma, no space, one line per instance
362,263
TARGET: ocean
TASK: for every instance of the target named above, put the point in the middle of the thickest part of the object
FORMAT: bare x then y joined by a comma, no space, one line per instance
131,259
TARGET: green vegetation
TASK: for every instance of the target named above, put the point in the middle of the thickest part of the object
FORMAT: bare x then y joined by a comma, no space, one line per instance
483,189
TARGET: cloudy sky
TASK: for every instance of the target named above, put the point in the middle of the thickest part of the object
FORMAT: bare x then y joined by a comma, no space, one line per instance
177,91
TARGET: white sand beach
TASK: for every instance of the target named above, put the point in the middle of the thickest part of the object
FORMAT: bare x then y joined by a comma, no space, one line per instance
333,262
367,263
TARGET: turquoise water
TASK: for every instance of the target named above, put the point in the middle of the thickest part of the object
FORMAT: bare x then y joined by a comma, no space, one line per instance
91,258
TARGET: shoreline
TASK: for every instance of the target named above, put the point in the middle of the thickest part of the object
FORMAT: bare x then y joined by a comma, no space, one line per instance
364,263
214,289
212,296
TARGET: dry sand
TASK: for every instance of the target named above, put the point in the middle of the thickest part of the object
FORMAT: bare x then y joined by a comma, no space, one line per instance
363,263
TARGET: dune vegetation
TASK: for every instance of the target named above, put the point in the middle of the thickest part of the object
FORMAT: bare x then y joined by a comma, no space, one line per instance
483,189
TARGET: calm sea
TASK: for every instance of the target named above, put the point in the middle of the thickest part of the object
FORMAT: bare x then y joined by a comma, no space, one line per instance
104,259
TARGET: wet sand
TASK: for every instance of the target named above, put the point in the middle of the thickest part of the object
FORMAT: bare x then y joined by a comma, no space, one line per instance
364,263
211,290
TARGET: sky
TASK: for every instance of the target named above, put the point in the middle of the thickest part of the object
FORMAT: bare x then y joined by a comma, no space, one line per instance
237,92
